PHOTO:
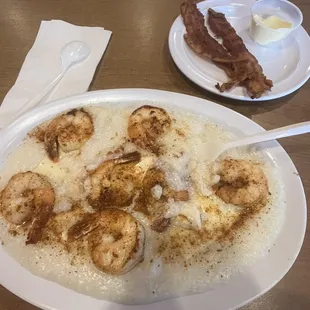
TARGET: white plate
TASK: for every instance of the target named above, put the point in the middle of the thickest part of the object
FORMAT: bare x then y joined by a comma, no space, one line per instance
287,63
241,289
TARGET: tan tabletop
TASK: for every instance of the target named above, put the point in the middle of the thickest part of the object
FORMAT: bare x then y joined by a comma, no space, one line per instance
138,56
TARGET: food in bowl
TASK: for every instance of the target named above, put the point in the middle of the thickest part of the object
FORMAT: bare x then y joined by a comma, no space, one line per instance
274,20
118,203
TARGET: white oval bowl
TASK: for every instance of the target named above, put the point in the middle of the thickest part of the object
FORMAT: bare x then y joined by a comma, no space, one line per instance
240,289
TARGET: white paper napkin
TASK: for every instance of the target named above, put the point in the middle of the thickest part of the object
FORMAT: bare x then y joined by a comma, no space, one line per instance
43,64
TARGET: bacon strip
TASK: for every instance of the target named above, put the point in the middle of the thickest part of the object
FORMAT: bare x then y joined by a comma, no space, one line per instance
199,38
240,65
249,71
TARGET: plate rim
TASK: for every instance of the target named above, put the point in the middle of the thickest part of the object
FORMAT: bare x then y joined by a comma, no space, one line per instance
184,67
36,116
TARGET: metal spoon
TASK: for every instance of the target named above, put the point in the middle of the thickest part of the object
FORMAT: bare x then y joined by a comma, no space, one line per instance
71,54
216,149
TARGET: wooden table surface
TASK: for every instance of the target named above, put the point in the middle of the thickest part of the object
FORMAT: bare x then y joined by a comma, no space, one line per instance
138,56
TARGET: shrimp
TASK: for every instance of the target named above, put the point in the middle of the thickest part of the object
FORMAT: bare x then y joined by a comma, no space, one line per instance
242,183
68,132
116,181
113,182
156,177
154,204
59,224
146,125
28,197
115,240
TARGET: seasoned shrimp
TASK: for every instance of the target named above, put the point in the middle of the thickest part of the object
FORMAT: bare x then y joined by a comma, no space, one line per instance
146,125
115,240
28,197
113,182
60,223
156,178
242,183
68,132
154,197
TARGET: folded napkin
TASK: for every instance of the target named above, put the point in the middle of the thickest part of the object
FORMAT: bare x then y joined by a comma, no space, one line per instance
43,64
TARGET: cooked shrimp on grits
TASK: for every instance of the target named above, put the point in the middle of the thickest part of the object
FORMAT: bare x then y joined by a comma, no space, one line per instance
119,203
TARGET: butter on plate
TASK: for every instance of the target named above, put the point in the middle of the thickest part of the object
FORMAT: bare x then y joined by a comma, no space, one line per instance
270,29
274,20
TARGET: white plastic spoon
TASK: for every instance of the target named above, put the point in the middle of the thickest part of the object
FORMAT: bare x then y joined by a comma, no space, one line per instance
71,54
216,149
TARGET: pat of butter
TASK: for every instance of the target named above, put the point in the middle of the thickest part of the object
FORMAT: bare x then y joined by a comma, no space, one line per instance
273,22
51,170
270,29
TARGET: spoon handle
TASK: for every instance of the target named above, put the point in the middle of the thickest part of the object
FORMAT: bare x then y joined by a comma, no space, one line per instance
33,102
287,131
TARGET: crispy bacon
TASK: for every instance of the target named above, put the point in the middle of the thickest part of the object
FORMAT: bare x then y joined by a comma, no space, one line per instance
249,71
199,38
233,57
